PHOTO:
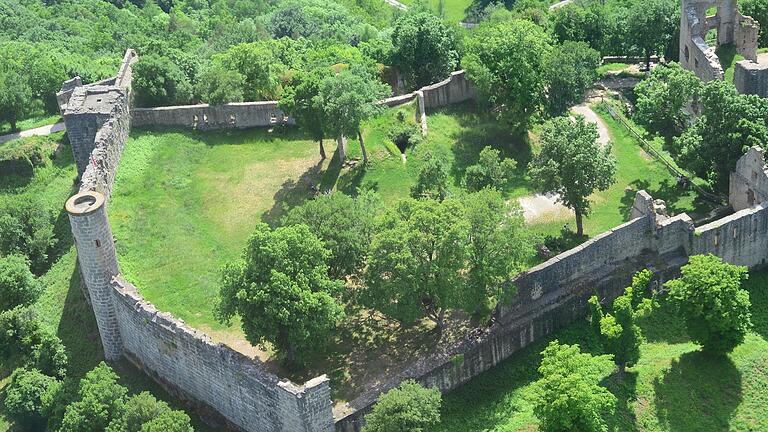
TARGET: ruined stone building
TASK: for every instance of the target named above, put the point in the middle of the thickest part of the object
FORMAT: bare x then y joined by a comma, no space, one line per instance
726,26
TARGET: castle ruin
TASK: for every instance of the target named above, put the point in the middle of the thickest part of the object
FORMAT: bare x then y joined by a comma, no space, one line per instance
216,378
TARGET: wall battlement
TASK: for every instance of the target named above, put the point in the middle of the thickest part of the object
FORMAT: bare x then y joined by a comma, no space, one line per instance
549,296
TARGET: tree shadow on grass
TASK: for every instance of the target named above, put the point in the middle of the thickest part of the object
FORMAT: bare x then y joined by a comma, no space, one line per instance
698,393
78,331
623,386
293,193
757,285
671,193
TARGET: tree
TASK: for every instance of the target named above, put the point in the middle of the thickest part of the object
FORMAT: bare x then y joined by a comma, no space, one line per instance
218,85
416,262
409,407
18,286
580,23
572,164
498,246
26,228
619,331
27,396
344,224
432,182
157,82
144,412
491,170
505,61
663,97
258,65
282,292
729,124
25,340
571,70
757,9
301,99
652,24
424,50
15,96
349,98
100,399
710,299
568,396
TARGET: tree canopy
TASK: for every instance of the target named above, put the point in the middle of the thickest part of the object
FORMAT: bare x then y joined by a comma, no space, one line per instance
409,407
281,291
663,97
712,303
573,164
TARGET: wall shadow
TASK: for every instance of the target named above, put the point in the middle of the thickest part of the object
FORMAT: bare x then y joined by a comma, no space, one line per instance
698,393
664,325
78,331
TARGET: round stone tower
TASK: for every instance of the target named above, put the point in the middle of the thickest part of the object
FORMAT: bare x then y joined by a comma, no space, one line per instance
98,263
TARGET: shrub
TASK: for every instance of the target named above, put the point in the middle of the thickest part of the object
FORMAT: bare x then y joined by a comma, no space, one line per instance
433,178
409,407
143,412
18,286
169,421
27,396
21,156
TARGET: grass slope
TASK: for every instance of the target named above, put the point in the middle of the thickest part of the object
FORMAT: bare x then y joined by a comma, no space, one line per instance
672,388
62,306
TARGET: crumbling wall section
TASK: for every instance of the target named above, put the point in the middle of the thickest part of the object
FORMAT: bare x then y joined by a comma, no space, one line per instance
748,184
207,117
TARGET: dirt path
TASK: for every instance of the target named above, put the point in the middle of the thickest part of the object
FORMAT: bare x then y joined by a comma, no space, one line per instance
396,4
545,208
42,130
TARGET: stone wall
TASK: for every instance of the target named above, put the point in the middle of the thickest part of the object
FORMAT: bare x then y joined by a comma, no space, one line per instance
206,117
188,363
457,88
732,28
752,77
749,182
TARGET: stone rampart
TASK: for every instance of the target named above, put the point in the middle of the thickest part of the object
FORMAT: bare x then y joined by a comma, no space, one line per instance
206,117
749,182
457,88
191,366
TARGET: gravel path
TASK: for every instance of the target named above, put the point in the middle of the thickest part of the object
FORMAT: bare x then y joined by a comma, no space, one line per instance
42,130
545,208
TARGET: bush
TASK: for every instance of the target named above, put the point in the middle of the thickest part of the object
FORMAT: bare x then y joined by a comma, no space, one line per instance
409,407
157,81
21,156
27,397
169,421
143,412
18,286
27,228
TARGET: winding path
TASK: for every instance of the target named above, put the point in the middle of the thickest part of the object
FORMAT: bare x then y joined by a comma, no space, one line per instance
42,130
545,208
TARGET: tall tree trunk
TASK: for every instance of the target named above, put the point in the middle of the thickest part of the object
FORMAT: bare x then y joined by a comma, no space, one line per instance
579,222
341,142
362,147
322,150
440,321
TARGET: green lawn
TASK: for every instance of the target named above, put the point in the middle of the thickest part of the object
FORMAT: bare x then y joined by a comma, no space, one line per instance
30,123
672,388
62,306
452,11
728,58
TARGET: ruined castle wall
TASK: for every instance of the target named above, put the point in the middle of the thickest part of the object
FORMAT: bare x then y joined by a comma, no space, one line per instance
193,367
205,117
741,238
109,142
749,181
457,88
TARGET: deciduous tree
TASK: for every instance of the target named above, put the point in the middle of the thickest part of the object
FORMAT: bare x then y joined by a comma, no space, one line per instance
568,396
27,396
218,85
491,170
425,50
157,82
652,24
282,292
100,399
432,181
301,99
572,164
715,308
18,286
662,98
571,70
505,60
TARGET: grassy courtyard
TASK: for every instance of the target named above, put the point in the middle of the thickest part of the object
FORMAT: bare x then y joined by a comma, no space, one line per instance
674,387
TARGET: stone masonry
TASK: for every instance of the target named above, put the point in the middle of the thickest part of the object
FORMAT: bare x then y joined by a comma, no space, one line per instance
749,182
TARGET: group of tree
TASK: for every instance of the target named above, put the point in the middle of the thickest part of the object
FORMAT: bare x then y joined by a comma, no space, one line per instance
36,401
416,260
708,297
523,74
